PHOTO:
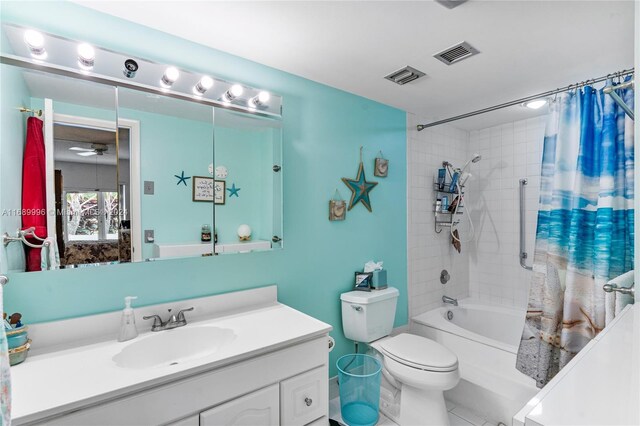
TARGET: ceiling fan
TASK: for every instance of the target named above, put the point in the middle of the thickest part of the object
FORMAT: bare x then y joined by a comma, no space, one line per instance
96,149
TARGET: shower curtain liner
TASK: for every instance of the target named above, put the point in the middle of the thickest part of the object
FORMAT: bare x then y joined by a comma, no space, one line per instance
585,228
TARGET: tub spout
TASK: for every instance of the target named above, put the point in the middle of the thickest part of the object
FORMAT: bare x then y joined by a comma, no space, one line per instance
450,300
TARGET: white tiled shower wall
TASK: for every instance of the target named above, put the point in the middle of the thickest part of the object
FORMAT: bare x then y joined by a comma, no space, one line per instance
429,253
488,267
509,152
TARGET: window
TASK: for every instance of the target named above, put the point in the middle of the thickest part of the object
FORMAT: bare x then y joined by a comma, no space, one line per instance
86,220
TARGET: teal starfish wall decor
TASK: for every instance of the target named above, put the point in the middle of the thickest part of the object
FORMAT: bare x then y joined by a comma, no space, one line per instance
182,178
233,190
360,189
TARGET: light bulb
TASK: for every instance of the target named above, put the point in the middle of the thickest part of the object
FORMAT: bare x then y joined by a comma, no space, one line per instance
169,77
233,92
236,90
536,104
262,98
203,85
86,56
35,42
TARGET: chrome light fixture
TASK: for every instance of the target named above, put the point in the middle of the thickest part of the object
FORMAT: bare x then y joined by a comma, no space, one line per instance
35,42
86,56
203,85
169,77
233,92
262,98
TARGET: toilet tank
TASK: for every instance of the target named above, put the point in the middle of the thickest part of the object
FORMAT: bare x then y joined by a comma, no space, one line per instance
368,316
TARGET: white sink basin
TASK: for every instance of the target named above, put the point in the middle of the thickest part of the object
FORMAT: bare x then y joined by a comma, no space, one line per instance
171,347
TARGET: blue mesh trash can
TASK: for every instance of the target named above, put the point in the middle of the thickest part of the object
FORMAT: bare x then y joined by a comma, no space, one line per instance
359,378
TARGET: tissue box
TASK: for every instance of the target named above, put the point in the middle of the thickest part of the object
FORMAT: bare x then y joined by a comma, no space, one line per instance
379,279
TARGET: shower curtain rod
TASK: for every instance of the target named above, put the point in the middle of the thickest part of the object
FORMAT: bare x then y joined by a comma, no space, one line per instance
527,99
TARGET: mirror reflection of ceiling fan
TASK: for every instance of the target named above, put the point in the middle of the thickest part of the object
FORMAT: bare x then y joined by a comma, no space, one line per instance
96,149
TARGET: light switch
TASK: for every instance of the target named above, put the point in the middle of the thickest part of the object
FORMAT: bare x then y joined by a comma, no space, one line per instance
149,236
148,187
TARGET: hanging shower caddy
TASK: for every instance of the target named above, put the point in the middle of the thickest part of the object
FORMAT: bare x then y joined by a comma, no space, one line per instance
446,218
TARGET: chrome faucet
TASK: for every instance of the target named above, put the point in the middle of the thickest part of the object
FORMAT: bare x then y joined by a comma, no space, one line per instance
174,321
450,300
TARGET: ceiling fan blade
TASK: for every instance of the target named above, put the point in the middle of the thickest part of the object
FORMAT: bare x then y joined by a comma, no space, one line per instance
87,154
77,148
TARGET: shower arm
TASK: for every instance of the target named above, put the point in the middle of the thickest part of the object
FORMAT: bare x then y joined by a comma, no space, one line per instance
523,253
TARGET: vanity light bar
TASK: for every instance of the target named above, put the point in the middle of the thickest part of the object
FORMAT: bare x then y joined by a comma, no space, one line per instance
78,60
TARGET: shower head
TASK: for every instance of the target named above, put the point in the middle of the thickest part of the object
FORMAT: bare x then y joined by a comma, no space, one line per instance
476,157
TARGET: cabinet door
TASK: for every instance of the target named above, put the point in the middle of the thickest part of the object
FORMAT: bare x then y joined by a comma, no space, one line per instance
304,398
260,408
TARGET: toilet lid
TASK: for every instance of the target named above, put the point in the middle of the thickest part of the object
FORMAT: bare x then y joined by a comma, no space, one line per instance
419,352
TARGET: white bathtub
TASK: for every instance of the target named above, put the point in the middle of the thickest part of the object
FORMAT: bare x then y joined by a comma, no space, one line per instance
485,338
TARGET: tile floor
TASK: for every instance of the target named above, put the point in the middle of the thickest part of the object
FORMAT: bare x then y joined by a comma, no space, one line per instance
458,416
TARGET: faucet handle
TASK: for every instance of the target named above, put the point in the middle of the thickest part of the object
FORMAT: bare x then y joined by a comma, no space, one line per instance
157,321
181,314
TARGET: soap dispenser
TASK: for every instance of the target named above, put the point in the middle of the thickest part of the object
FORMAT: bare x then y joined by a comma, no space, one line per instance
128,328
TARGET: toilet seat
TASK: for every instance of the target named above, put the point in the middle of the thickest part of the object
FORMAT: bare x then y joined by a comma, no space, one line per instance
419,352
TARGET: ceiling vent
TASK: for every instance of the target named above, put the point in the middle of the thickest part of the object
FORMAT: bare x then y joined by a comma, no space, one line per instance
456,53
405,75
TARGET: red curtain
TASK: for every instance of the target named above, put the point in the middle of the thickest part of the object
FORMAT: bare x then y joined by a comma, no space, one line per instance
34,185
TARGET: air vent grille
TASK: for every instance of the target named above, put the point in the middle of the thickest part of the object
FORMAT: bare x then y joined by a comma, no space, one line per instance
405,75
456,53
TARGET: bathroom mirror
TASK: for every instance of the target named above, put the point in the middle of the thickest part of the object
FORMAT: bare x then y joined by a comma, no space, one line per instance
170,196
147,188
59,172
248,169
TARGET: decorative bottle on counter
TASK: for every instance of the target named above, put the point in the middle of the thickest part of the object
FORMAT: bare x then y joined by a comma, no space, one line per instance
206,234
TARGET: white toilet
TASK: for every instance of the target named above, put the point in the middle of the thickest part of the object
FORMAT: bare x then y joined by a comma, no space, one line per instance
419,368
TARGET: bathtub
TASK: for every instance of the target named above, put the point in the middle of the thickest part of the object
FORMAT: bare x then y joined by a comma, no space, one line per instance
485,338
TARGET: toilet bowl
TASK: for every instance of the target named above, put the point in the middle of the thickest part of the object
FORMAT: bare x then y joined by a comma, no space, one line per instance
422,369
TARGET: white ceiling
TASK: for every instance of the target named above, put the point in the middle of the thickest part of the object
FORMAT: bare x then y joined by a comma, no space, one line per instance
526,47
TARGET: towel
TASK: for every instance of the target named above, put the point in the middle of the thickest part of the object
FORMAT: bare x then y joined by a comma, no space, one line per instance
50,258
614,301
5,374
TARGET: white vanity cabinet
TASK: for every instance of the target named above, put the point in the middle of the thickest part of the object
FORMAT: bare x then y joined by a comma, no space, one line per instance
288,387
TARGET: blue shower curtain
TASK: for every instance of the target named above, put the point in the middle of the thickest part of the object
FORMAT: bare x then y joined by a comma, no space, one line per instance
585,228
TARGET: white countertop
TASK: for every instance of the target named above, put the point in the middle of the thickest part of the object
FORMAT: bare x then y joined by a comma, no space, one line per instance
602,387
57,382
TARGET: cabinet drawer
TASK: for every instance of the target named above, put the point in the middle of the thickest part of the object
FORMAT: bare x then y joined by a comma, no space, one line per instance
259,408
303,398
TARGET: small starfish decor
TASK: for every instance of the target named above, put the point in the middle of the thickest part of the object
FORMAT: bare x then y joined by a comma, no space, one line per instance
233,190
360,189
182,178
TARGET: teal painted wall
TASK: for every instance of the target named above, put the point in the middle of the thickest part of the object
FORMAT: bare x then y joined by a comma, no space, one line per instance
323,130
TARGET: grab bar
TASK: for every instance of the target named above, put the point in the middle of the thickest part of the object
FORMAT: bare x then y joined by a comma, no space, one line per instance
523,253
